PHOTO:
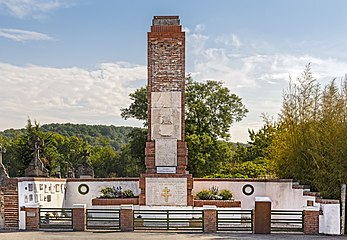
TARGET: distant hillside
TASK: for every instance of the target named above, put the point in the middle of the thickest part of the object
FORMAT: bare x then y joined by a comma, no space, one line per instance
93,134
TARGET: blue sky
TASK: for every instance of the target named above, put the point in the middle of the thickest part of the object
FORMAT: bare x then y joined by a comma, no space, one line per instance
77,61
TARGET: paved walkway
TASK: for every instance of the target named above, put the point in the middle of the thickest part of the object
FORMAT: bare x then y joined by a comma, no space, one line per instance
151,236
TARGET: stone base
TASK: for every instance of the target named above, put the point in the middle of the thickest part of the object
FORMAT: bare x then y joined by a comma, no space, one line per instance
166,190
32,171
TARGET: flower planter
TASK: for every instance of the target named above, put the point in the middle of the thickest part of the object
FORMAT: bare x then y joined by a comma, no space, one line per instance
115,201
217,203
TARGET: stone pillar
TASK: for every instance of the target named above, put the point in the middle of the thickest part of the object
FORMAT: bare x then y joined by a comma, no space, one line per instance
262,216
210,218
311,222
32,218
343,209
79,217
126,218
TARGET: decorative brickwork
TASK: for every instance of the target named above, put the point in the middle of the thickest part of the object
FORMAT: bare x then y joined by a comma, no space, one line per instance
126,219
218,203
114,201
311,222
11,214
210,220
32,218
79,218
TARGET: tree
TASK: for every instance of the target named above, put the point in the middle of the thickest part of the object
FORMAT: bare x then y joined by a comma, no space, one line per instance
310,144
210,111
211,108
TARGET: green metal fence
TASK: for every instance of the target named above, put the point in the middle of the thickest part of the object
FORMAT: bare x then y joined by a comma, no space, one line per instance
235,220
176,220
103,219
55,218
286,221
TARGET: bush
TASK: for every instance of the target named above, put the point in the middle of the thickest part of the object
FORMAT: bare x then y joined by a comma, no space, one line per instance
226,194
214,194
116,192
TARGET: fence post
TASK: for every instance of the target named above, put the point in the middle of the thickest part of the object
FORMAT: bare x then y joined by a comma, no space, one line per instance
262,216
311,222
79,217
343,208
32,218
126,218
210,218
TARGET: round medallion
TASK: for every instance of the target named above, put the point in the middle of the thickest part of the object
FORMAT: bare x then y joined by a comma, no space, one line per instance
83,189
248,189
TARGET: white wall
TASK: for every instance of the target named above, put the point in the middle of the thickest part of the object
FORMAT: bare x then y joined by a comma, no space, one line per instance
281,193
329,220
41,192
95,185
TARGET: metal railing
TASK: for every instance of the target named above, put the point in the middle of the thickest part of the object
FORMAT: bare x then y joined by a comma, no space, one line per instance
235,220
286,221
105,219
189,220
55,218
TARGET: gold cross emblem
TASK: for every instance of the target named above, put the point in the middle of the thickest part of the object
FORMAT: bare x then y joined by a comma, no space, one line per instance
166,194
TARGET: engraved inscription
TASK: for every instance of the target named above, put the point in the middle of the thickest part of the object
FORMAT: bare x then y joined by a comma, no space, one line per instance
157,193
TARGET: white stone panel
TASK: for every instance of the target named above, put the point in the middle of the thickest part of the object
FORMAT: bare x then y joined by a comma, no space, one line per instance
166,99
166,191
166,152
166,123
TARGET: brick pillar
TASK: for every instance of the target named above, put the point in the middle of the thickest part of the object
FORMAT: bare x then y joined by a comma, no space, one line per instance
210,218
311,222
32,218
262,216
79,217
126,218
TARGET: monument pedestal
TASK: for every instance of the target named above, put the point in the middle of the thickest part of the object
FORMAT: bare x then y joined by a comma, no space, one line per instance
166,190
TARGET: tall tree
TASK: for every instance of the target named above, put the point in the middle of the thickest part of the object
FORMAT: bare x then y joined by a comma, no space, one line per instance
310,144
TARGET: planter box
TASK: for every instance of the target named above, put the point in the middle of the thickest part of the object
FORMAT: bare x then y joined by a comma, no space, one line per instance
217,203
115,201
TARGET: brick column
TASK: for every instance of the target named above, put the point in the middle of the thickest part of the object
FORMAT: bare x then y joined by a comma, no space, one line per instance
311,222
32,218
262,216
210,218
126,218
79,217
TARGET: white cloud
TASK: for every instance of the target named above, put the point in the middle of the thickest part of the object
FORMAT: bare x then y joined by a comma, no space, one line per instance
23,35
32,8
259,79
232,41
67,94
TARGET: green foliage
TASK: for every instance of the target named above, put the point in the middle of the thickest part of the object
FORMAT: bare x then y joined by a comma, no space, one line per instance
211,108
310,144
226,194
116,192
214,194
139,107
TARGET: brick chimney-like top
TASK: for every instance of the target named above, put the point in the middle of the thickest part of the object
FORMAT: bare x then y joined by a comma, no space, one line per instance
166,21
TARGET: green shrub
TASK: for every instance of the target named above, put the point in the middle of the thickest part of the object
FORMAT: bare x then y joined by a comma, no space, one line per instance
226,194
